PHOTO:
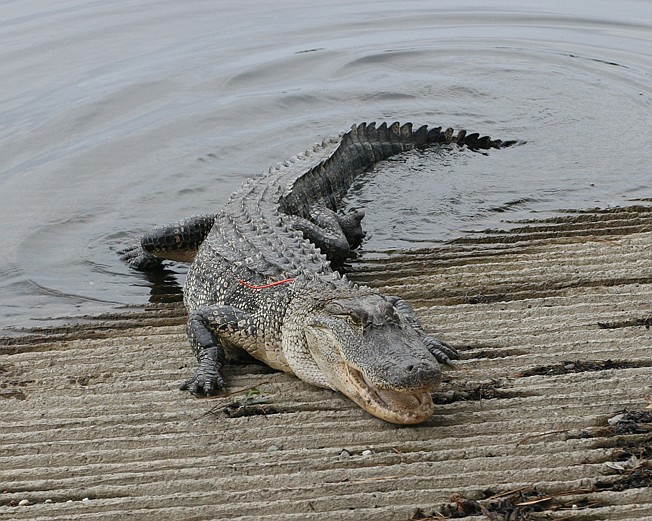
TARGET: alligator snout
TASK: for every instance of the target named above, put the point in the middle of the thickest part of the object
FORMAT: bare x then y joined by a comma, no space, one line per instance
413,373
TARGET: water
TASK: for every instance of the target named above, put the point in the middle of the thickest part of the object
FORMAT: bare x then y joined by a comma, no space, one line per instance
116,116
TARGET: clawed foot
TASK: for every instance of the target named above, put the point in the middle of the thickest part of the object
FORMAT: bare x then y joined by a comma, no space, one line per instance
207,380
139,259
440,350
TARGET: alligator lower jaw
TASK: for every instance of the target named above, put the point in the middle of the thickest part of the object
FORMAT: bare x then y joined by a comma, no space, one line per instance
401,407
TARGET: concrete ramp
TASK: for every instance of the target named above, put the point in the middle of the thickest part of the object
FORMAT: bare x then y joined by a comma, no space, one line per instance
547,415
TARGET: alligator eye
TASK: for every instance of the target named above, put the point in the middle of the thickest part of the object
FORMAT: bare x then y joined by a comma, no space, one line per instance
358,318
335,309
355,319
388,310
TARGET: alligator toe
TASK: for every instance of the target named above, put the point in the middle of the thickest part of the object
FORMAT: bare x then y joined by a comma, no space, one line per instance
441,350
207,381
138,259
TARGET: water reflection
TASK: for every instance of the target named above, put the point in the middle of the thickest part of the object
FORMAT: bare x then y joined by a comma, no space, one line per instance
119,120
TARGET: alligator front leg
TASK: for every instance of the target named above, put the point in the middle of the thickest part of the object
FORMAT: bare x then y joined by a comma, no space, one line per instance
207,329
177,242
440,350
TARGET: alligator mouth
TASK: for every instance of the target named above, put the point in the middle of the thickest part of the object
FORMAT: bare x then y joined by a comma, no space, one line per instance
402,407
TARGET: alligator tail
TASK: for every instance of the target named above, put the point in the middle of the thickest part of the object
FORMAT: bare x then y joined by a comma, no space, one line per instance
359,149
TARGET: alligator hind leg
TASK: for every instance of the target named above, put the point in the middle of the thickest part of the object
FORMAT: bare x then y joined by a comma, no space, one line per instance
352,227
440,350
177,242
335,235
205,327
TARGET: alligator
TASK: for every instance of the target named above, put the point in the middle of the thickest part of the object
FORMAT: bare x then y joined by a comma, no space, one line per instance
265,279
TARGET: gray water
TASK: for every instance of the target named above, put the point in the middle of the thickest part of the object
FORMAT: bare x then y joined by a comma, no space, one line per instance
116,116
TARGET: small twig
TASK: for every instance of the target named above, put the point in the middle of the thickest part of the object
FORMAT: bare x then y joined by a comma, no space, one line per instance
533,501
487,513
548,433
228,395
508,493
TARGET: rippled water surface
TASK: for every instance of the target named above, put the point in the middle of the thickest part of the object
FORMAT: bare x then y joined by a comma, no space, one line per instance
116,116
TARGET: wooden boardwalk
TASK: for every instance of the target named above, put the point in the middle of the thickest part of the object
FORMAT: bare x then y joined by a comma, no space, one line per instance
545,411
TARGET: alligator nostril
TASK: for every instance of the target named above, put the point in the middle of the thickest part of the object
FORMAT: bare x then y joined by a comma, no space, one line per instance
420,370
413,374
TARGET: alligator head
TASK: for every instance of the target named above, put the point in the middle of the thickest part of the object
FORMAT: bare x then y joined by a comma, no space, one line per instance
366,349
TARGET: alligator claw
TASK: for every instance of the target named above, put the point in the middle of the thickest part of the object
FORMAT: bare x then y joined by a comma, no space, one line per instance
441,350
139,259
207,381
